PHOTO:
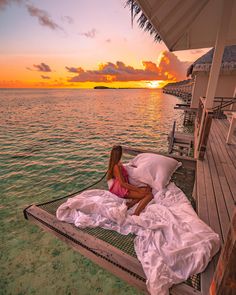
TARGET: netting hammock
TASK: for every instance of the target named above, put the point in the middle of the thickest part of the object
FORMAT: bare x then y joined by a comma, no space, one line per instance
109,249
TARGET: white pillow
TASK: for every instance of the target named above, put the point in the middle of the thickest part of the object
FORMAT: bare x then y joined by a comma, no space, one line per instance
152,169
129,168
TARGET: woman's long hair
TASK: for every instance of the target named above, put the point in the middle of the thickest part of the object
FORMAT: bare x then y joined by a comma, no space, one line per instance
116,154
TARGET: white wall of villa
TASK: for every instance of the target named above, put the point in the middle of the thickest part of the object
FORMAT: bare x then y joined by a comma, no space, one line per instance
225,86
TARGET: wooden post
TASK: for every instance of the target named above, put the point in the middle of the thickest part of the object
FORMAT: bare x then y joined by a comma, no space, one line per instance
234,96
200,115
217,57
224,281
218,52
172,138
207,119
196,91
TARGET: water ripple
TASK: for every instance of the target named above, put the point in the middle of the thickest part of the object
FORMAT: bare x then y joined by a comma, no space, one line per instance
46,139
53,142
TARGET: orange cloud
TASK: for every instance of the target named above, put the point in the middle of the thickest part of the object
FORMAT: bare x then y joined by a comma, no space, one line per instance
172,67
169,67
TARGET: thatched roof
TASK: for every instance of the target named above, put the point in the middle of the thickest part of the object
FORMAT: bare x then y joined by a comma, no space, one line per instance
203,64
142,20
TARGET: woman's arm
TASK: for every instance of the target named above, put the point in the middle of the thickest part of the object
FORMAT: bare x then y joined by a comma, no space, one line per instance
123,183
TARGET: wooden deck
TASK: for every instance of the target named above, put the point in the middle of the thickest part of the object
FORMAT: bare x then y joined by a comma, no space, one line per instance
216,187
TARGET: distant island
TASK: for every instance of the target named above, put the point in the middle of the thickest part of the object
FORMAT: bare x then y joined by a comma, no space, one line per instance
105,87
102,87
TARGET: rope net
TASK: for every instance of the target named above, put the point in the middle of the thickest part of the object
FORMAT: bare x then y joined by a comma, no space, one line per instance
183,178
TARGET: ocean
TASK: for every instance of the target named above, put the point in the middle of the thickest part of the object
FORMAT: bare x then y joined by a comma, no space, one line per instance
53,142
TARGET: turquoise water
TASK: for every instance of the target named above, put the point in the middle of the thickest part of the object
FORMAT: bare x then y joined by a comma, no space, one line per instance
52,143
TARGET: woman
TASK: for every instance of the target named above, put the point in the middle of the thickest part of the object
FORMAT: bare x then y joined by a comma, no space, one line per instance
121,186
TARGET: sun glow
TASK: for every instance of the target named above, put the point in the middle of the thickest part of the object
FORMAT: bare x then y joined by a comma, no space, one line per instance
154,84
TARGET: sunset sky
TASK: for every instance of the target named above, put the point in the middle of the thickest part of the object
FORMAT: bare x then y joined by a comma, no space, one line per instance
81,44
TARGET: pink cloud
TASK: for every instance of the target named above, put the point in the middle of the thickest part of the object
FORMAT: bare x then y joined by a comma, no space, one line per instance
90,34
169,67
42,16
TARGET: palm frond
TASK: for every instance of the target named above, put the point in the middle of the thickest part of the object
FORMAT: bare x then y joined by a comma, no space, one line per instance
142,20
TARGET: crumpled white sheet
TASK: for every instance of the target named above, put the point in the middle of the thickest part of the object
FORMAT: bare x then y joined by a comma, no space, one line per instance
171,242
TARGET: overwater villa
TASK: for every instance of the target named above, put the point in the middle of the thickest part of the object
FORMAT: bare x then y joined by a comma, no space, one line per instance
200,70
193,90
182,25
181,89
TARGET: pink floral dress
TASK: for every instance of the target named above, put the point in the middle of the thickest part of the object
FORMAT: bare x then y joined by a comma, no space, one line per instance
116,187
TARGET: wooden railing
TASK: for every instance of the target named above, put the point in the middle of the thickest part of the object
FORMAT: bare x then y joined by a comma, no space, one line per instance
187,162
204,119
223,104
200,113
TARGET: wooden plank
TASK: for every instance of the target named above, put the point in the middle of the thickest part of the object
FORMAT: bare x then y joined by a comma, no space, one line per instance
102,248
223,127
211,201
204,212
183,137
227,190
221,206
214,223
206,278
183,145
183,289
228,167
227,151
226,172
221,133
202,208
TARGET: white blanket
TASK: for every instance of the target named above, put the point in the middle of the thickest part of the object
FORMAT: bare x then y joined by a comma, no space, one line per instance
171,242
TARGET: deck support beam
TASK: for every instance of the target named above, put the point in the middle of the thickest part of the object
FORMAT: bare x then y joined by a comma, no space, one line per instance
224,281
